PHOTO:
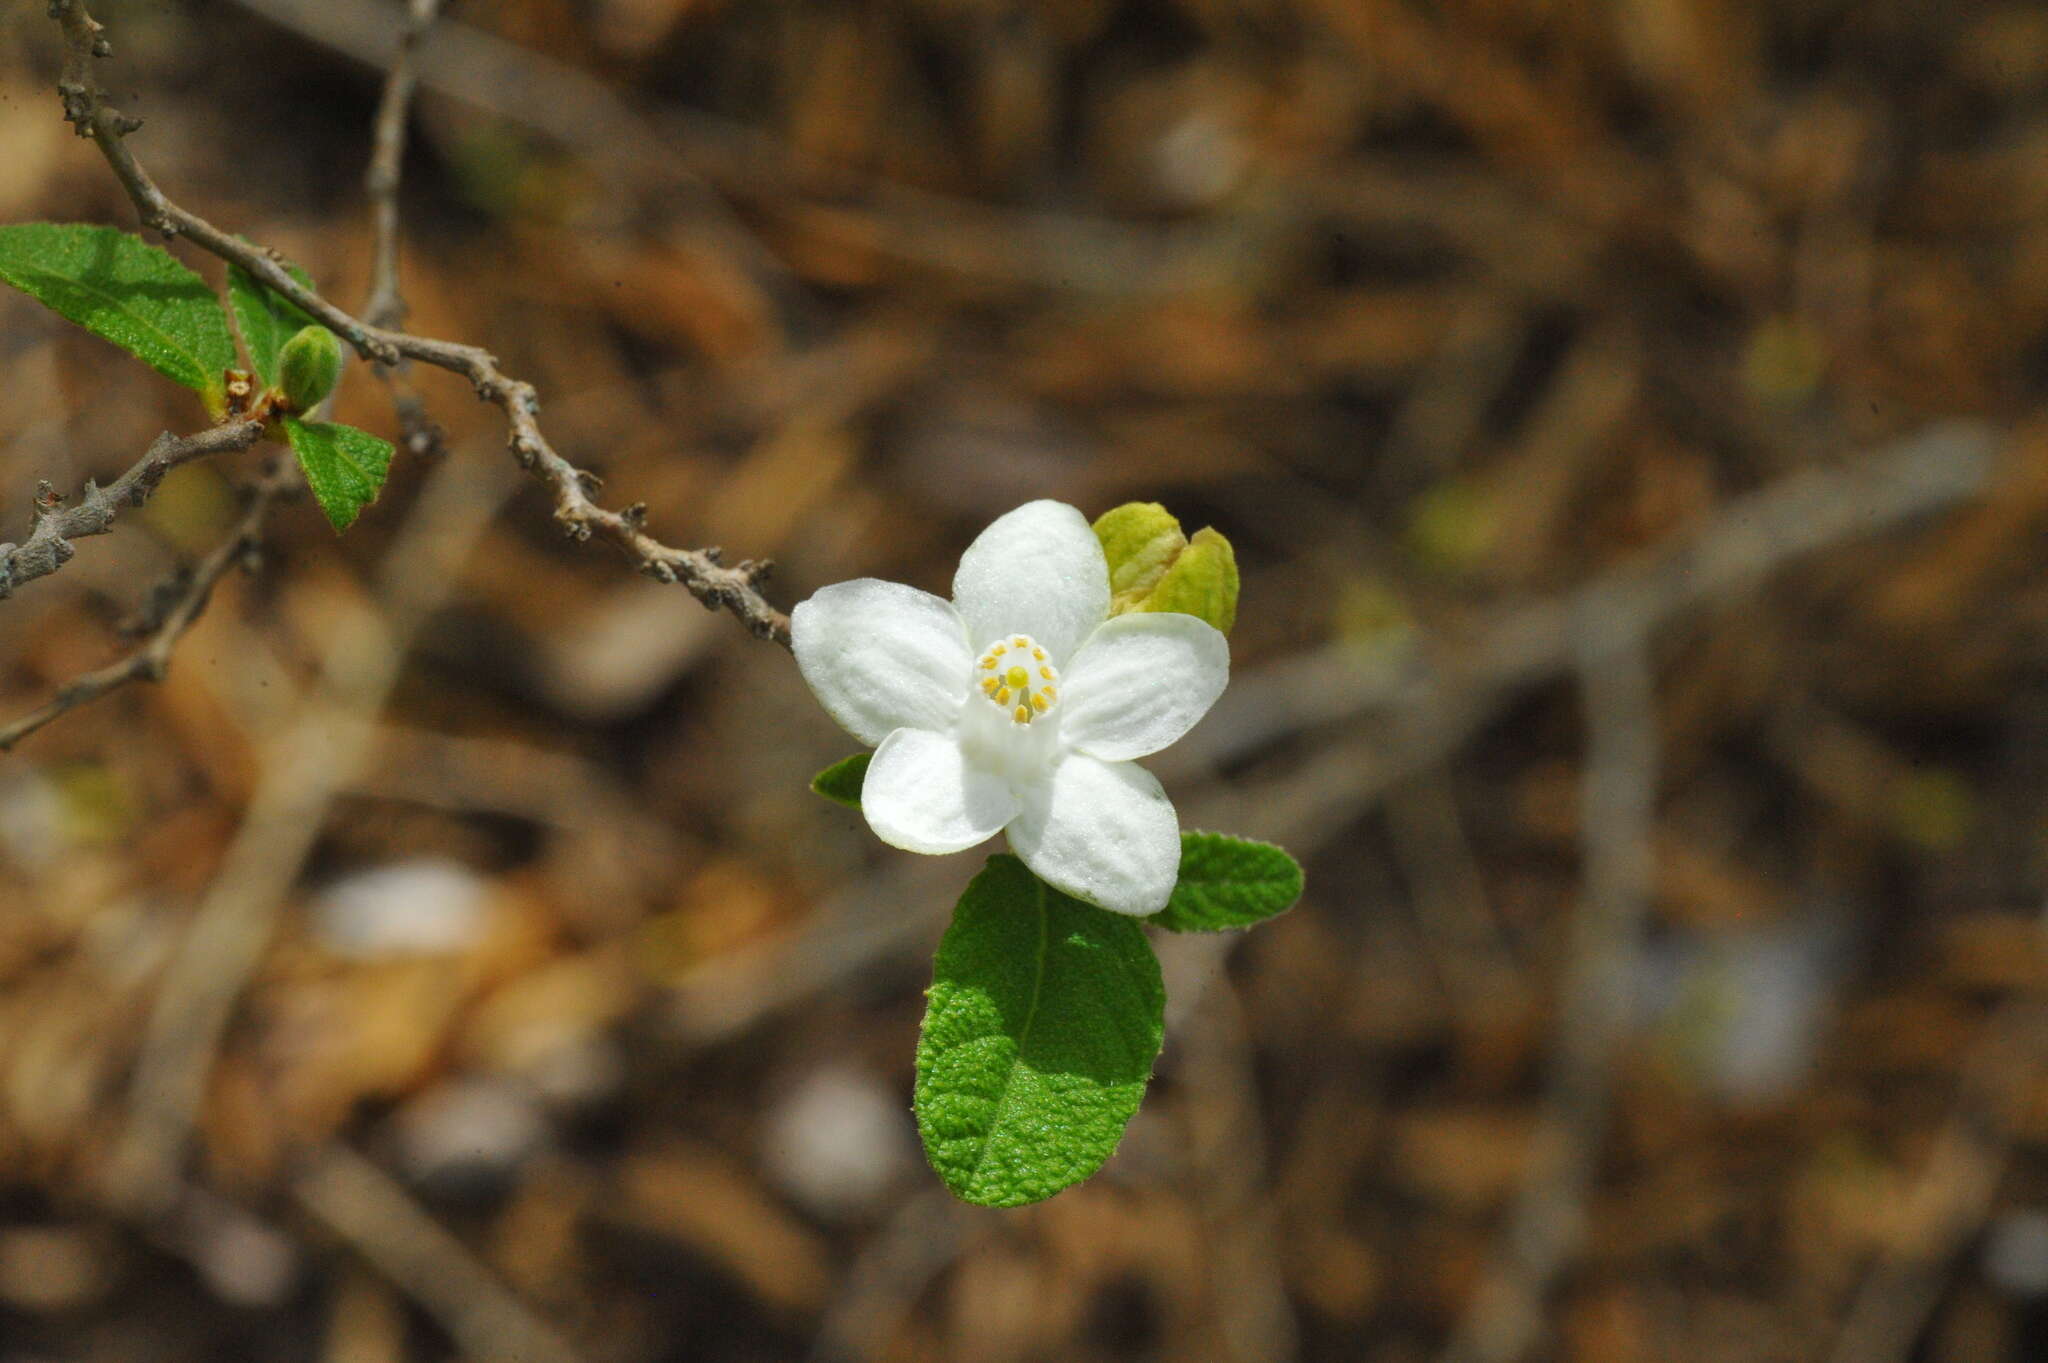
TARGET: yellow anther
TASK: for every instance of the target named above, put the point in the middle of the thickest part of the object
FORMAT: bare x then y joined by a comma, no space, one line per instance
988,662
1023,714
1017,676
1039,702
1050,695
1003,696
1020,641
989,685
1045,672
1039,654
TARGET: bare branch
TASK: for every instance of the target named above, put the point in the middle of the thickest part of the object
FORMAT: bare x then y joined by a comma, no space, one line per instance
385,307
367,1208
720,588
48,546
1430,707
192,590
1547,1220
302,770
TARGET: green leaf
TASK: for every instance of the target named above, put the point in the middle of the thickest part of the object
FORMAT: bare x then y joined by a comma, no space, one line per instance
1044,1017
267,319
1229,883
344,466
1141,540
1201,582
124,290
1153,566
841,782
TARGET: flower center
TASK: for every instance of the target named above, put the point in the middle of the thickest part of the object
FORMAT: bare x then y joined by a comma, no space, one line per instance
1017,678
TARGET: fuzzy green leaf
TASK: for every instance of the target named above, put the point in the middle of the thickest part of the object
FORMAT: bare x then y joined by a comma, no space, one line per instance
267,319
345,467
124,290
1043,1021
841,782
1229,883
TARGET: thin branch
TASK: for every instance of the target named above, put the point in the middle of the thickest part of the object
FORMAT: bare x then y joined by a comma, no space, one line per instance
302,771
190,592
385,307
367,1208
1547,1221
48,546
700,570
1430,708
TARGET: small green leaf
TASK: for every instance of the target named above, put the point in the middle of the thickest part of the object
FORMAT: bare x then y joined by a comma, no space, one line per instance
267,319
1153,566
1044,1018
841,782
1202,582
124,290
1140,540
1229,883
345,467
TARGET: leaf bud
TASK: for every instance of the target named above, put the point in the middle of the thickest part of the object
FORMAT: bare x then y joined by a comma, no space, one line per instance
308,366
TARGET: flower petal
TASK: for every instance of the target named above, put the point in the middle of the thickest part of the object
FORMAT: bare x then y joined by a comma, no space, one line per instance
1140,682
922,795
1038,570
1101,831
881,656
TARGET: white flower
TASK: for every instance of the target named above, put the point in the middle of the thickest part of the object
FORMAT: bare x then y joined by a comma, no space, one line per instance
1018,705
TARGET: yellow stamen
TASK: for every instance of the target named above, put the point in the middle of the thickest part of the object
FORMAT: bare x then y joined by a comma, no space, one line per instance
1039,654
989,685
1020,641
1045,672
988,662
1050,695
1039,702
1023,714
1003,696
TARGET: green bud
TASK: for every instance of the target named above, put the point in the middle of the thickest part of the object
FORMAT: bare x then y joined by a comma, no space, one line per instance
1153,566
308,366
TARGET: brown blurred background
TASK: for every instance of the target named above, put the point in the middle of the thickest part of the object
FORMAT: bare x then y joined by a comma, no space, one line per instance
1672,778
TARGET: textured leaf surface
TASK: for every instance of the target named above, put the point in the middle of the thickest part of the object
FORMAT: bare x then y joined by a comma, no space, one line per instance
1140,540
1229,882
121,288
1044,1018
267,320
841,782
345,467
1202,582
